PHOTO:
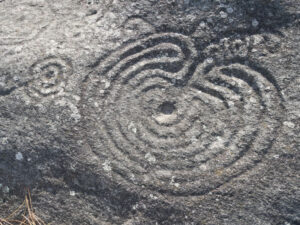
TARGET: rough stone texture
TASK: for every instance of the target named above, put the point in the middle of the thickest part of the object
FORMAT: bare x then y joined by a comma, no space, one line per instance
151,112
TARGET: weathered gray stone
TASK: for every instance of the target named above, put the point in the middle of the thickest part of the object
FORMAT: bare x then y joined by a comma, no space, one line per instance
151,112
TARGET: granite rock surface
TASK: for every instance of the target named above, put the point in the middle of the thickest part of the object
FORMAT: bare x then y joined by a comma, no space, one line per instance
151,112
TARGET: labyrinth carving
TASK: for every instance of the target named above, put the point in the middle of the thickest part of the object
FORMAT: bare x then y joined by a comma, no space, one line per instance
158,119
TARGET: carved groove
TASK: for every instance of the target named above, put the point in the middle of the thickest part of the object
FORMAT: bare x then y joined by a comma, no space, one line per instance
172,125
48,77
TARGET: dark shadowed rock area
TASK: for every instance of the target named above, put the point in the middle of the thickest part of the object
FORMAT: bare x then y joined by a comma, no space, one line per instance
151,112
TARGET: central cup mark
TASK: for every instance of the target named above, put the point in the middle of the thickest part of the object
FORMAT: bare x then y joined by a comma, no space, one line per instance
167,108
50,74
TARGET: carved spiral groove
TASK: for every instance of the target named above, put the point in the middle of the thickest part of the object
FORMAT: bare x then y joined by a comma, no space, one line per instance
174,127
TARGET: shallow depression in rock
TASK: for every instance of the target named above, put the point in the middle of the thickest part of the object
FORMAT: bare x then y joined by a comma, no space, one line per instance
167,108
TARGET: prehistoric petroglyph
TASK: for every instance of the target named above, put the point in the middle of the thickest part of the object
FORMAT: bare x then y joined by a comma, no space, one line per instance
174,125
49,77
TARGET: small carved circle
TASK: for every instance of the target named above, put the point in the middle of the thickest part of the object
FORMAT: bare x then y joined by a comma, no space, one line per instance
48,77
